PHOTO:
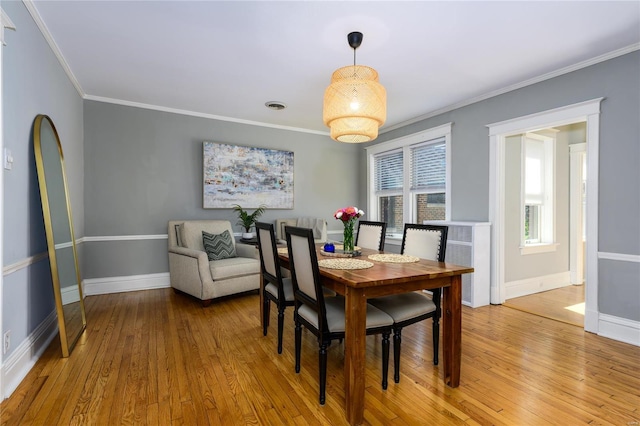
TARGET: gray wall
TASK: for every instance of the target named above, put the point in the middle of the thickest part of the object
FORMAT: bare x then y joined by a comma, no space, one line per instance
144,168
617,80
33,83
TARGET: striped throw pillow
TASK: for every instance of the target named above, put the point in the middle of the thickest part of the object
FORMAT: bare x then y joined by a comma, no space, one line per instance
218,246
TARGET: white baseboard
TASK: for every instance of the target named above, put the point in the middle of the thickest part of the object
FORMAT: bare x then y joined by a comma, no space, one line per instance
536,284
23,358
94,286
70,295
621,329
591,321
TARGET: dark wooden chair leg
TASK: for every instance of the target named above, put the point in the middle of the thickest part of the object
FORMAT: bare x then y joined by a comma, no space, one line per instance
397,340
280,328
265,315
323,372
298,345
385,360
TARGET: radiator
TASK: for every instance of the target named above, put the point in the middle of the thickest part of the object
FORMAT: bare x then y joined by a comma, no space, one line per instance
469,244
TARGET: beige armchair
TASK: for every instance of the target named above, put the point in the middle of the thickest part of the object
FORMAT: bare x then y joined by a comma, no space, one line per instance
193,273
317,225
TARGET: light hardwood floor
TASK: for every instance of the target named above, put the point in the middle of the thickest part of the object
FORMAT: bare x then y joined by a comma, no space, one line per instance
159,358
553,304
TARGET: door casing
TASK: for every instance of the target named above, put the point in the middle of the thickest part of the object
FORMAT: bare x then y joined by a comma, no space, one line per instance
589,112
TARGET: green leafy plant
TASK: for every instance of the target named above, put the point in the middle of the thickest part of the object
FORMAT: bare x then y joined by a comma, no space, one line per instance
247,220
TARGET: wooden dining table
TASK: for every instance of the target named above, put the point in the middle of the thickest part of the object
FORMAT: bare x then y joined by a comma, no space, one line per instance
357,285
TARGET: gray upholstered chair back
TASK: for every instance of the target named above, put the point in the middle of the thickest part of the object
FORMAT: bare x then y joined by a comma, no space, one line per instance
188,233
425,241
266,239
371,235
300,249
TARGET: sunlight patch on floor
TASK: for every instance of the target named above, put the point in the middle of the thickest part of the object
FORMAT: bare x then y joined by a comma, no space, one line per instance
577,308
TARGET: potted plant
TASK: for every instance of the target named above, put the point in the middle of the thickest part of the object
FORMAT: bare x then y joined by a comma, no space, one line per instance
247,220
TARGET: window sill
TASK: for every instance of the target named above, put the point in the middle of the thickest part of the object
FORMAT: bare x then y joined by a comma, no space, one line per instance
538,248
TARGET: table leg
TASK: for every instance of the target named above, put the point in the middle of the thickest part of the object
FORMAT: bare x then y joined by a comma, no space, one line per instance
452,330
355,347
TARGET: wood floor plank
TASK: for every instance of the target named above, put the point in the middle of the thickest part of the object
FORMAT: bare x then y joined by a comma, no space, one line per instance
553,304
159,358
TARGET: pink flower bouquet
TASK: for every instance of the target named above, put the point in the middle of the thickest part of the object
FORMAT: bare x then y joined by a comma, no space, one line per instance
348,213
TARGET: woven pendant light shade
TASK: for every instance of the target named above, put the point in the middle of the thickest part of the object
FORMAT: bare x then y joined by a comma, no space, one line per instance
355,104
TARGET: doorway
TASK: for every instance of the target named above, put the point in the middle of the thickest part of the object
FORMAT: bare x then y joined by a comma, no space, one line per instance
585,112
545,173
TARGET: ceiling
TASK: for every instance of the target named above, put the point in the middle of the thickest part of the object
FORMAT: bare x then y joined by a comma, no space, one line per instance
225,59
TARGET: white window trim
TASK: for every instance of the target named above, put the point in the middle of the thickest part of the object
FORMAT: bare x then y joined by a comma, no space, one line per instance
538,248
405,143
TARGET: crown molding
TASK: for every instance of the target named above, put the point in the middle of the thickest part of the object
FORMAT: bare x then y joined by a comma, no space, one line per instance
543,77
200,114
54,47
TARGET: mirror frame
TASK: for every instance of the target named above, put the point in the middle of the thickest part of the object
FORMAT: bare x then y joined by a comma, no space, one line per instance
67,343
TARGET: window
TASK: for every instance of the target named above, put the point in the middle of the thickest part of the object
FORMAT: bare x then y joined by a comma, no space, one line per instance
538,181
428,180
409,179
388,188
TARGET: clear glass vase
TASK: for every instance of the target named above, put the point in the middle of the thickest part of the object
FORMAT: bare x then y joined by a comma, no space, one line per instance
348,244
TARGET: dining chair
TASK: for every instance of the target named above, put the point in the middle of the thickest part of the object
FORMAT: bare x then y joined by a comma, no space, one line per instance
426,242
276,288
324,316
371,235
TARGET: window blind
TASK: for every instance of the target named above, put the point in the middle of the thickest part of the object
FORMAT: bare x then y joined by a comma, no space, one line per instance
429,166
388,171
534,177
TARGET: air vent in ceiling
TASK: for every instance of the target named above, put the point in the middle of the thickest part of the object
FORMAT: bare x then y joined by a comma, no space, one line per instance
275,105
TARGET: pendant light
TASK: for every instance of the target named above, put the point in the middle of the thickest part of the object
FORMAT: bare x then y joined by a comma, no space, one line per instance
355,103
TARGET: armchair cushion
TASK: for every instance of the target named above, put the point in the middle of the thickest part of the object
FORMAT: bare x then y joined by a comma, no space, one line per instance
218,246
233,267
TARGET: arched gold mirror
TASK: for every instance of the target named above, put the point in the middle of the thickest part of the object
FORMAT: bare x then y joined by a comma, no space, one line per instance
56,209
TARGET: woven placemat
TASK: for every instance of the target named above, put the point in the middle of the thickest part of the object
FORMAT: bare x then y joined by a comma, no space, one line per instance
393,258
344,263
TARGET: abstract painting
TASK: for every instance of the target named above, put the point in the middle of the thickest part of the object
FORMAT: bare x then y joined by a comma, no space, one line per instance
247,176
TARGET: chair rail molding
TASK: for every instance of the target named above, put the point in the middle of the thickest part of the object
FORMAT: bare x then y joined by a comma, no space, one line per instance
124,237
619,256
6,24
